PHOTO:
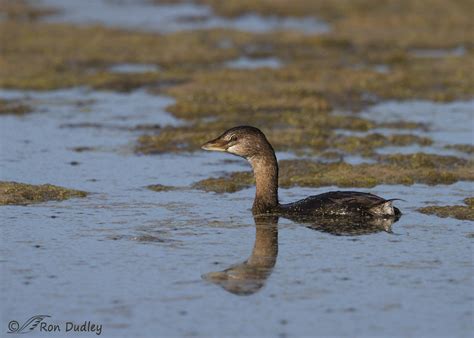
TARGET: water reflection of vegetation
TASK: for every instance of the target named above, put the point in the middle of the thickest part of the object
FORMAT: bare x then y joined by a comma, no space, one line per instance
250,276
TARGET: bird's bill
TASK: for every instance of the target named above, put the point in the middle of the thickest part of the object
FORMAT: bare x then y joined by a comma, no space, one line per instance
215,145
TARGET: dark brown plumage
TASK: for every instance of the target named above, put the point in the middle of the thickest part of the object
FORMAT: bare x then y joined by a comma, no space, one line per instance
251,144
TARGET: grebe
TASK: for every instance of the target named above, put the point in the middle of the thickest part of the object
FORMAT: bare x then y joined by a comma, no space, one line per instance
250,143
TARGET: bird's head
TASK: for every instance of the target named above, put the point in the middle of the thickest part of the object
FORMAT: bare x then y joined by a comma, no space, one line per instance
244,141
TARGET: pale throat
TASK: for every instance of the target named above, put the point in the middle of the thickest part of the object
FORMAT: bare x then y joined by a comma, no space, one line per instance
265,170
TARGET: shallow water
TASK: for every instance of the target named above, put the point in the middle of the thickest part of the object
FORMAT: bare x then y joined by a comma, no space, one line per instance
132,259
252,63
439,53
144,15
127,68
447,123
444,123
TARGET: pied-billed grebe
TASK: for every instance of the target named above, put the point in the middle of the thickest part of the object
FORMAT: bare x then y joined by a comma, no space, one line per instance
251,144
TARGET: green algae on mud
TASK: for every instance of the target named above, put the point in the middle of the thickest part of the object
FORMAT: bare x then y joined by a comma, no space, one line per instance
320,71
45,56
232,182
295,102
366,144
324,71
391,169
317,136
462,212
14,193
395,22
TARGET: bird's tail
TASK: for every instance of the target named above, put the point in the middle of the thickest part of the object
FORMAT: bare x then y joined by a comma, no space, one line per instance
385,208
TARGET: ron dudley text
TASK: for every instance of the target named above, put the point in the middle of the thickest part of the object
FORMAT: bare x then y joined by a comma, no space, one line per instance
87,326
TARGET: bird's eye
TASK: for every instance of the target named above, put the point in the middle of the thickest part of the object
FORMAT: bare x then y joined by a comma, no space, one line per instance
233,138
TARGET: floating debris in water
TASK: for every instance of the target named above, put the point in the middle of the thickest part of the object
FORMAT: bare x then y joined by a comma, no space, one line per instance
24,194
13,107
160,187
83,149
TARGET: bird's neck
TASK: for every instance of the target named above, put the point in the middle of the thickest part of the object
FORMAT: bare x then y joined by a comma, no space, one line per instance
265,170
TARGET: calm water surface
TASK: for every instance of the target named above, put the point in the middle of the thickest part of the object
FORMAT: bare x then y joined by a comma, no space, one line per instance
141,262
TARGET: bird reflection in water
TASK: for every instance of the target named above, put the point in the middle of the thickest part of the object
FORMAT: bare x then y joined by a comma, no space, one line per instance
347,226
250,276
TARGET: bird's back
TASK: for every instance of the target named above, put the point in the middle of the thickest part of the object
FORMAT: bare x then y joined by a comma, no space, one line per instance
337,203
